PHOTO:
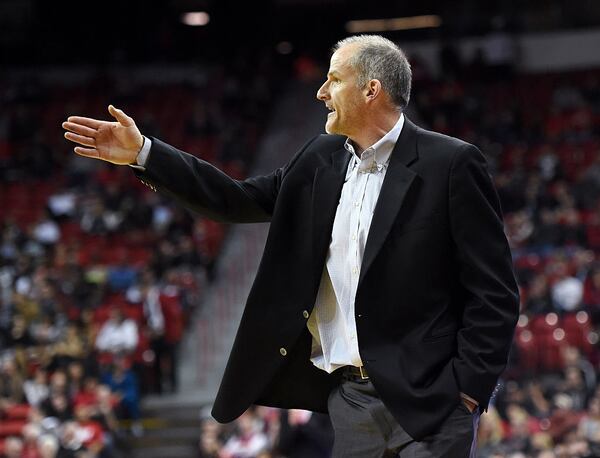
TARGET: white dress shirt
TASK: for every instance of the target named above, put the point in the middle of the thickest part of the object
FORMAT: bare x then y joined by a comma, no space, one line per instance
332,323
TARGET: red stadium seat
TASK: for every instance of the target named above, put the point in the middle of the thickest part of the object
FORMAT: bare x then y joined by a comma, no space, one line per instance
11,427
577,326
17,412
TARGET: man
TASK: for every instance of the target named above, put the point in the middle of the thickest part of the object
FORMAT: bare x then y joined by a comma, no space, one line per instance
385,295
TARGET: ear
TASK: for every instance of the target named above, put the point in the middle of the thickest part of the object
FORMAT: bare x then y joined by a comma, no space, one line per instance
372,89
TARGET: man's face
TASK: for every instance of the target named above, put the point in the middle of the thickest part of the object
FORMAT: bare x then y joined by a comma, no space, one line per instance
341,94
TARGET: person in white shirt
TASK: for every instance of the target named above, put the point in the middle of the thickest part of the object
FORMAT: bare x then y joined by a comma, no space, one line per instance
118,334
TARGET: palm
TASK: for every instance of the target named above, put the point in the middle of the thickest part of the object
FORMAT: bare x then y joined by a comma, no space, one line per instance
117,142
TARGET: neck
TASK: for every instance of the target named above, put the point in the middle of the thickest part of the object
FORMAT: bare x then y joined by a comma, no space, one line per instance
375,130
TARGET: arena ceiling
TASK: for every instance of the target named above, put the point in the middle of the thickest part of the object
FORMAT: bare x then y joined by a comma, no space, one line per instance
71,31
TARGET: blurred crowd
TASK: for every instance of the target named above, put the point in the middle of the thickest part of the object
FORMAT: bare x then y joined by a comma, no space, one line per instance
99,275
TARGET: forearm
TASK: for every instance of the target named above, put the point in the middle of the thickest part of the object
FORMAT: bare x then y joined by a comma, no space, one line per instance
201,186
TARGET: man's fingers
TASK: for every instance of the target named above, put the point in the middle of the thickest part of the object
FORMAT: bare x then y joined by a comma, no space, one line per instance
81,139
79,129
120,116
89,122
87,152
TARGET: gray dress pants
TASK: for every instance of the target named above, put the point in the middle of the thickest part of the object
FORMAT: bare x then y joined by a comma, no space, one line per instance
364,428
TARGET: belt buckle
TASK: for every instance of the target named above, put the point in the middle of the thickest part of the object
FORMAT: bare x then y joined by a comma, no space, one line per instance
363,374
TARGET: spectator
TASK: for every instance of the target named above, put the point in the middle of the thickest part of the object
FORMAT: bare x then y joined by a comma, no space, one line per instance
59,382
46,330
567,291
96,220
248,441
11,383
538,298
574,386
591,294
149,293
62,204
573,231
70,346
122,381
47,232
48,446
106,402
31,434
36,388
88,432
210,444
57,406
87,395
118,335
589,426
547,233
122,275
490,433
172,311
71,445
13,447
305,435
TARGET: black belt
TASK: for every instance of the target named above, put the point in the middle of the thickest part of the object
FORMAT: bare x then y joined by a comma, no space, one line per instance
357,372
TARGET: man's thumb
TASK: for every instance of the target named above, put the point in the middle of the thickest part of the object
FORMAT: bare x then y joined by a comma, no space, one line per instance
120,116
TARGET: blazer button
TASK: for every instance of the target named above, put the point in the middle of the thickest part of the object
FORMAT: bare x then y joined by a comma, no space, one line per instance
305,314
283,351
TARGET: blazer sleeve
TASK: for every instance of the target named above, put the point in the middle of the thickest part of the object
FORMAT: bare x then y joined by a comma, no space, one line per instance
491,306
207,190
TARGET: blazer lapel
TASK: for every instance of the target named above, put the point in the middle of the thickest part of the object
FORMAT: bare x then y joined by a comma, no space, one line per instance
327,187
397,181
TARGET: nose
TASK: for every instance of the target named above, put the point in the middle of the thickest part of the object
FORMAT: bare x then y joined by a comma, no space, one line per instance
322,93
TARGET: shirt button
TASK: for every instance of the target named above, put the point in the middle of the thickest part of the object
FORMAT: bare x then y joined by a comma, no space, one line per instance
305,314
356,204
353,236
283,351
354,270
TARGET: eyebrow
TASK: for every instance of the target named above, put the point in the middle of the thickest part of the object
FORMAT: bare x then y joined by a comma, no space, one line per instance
333,73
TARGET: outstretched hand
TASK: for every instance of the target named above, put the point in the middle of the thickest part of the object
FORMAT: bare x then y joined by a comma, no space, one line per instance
117,142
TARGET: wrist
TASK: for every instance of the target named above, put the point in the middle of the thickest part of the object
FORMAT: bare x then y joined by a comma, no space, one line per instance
142,155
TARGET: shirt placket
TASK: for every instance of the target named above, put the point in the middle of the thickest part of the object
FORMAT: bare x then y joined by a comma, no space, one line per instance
358,199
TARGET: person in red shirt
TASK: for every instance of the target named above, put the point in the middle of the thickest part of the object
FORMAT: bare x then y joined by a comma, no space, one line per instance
89,432
87,395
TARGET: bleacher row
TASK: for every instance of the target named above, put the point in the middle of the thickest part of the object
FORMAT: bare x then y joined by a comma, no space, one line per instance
13,420
539,340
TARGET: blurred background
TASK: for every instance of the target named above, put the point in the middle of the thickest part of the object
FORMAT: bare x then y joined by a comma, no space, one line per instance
118,307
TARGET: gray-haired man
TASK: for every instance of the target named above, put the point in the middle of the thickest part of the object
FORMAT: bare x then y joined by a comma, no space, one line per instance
385,295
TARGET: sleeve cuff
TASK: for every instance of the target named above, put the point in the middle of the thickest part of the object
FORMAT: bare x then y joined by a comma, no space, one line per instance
142,157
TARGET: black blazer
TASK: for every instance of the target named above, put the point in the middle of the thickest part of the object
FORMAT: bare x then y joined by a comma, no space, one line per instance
437,300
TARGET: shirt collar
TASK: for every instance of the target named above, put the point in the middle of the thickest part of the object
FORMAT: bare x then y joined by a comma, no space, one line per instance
376,156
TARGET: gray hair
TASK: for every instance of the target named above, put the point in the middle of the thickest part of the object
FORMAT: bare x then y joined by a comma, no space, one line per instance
381,59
